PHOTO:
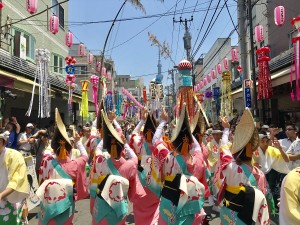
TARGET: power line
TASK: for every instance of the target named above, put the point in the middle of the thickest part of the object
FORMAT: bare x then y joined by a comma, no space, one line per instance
231,17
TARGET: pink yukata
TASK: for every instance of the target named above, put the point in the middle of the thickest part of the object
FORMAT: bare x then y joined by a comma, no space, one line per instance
128,170
195,168
74,168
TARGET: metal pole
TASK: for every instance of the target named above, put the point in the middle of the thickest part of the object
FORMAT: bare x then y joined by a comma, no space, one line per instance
255,110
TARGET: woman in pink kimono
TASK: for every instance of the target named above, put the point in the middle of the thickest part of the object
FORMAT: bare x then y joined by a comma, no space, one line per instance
241,185
63,181
182,194
114,175
146,208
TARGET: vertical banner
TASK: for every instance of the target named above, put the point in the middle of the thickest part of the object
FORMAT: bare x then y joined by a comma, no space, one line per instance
152,90
247,93
22,47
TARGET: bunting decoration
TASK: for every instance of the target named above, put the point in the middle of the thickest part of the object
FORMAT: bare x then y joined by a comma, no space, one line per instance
84,111
264,75
42,74
70,79
226,99
94,81
295,71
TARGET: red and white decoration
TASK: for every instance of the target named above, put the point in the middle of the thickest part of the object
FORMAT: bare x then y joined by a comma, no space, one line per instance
81,49
95,80
69,39
184,65
219,68
90,58
225,63
279,15
54,22
259,33
234,55
264,75
31,6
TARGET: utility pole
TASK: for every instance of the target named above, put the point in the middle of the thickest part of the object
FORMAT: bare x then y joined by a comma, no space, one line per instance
255,110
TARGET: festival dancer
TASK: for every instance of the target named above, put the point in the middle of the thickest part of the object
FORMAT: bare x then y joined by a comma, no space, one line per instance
63,181
146,208
182,196
241,185
115,175
14,187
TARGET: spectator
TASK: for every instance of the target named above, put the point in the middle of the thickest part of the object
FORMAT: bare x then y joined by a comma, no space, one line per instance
265,128
14,128
291,133
294,153
24,140
35,128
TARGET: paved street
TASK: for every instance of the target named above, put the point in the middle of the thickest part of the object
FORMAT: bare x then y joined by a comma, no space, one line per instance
83,215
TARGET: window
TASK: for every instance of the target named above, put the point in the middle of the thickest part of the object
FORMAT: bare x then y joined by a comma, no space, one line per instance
58,64
291,36
80,70
59,11
23,44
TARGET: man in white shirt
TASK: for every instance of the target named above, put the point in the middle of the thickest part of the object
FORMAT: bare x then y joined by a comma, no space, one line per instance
294,152
24,145
291,133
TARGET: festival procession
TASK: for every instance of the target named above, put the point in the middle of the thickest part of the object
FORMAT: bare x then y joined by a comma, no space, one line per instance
97,128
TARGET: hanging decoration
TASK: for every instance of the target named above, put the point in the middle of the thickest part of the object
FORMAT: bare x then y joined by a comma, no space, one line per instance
94,81
208,77
219,68
264,76
108,101
84,111
31,6
98,67
69,39
1,5
81,50
90,58
70,80
145,95
259,33
239,69
200,97
226,98
279,15
204,81
108,74
42,74
118,104
213,74
217,100
54,23
225,63
295,90
234,55
208,103
131,98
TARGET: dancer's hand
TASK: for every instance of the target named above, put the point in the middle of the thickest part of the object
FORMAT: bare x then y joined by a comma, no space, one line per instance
225,123
144,114
123,139
164,115
112,116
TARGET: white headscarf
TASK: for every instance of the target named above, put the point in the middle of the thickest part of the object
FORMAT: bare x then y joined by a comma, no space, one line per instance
4,135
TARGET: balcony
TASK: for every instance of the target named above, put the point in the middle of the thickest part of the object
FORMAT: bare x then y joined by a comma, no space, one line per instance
27,69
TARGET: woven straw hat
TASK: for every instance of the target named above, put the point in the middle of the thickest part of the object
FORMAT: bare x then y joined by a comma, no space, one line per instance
110,133
99,117
60,133
245,132
182,128
150,124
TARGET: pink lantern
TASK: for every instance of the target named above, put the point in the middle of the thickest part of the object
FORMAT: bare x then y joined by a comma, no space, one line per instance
81,49
94,79
103,71
108,75
279,15
90,58
70,79
213,74
259,33
225,63
1,5
208,77
195,88
234,55
204,81
239,68
98,67
31,6
219,68
201,84
69,39
54,24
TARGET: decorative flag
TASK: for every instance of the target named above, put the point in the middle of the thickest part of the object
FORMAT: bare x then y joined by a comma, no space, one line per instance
84,111
95,80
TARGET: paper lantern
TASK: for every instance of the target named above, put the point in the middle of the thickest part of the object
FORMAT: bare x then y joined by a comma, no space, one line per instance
108,75
204,81
90,58
94,79
201,84
213,74
31,6
103,71
69,39
54,24
98,67
81,49
219,68
239,68
259,33
279,15
234,55
208,77
225,63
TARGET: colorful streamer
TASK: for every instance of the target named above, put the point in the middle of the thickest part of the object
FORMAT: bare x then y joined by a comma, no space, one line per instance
226,99
95,80
84,111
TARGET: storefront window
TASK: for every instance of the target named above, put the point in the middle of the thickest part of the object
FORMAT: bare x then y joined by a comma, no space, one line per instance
58,64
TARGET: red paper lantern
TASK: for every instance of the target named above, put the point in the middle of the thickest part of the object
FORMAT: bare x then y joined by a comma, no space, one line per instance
90,58
31,6
219,68
279,15
213,74
234,55
239,68
81,49
259,33
69,39
225,63
54,22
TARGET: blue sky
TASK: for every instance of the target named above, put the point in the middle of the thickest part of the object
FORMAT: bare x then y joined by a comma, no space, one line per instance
136,56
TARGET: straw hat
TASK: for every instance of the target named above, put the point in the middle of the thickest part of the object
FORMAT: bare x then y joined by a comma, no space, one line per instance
110,135
99,117
245,132
150,125
182,129
60,134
